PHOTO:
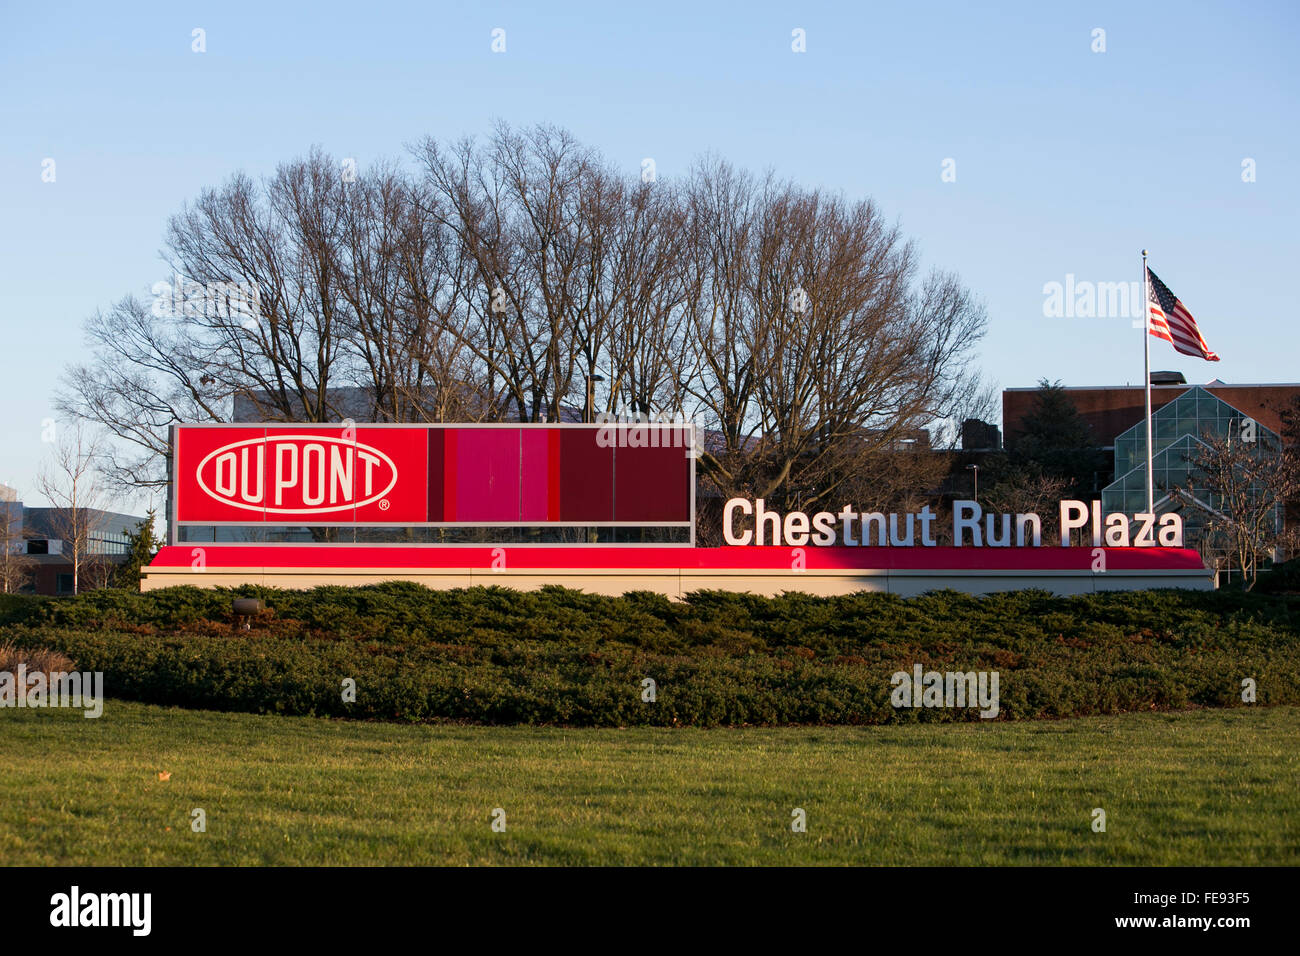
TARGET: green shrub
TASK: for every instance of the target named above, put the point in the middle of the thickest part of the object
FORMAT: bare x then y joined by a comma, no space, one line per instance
556,656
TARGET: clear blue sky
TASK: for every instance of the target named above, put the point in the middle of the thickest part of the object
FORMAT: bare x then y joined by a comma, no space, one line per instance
1067,161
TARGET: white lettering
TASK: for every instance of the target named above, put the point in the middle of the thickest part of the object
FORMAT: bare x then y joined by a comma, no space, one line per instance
728,535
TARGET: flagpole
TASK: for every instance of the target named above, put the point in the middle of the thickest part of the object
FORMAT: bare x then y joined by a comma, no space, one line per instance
1146,382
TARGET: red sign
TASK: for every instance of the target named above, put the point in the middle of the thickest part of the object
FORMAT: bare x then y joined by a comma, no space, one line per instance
420,474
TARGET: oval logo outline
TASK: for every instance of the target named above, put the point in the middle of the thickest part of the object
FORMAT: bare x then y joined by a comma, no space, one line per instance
317,509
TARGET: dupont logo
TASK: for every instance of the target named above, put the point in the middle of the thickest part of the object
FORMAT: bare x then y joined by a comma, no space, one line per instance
297,475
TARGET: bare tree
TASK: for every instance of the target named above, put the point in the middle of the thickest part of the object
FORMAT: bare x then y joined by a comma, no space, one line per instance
254,311
69,483
811,346
96,571
1242,487
527,212
975,399
505,277
1027,492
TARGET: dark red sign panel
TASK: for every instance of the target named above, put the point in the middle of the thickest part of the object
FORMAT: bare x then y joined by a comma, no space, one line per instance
419,474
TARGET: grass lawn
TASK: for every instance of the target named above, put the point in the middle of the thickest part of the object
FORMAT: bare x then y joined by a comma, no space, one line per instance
1201,787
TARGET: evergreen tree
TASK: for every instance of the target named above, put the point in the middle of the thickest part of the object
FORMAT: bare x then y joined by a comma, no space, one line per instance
142,546
1056,442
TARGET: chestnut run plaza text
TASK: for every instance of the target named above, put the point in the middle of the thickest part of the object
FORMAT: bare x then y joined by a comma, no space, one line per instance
970,525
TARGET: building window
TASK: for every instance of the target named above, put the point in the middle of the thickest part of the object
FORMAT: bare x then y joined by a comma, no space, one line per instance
108,543
64,584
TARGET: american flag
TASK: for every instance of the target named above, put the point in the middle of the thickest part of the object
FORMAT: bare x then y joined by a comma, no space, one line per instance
1171,321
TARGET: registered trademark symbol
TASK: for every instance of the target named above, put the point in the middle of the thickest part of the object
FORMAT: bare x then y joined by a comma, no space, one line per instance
384,505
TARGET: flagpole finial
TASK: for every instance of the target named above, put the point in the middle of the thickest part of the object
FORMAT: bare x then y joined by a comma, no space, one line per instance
1144,253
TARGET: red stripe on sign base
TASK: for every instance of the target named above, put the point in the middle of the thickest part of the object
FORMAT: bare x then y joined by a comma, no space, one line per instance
685,558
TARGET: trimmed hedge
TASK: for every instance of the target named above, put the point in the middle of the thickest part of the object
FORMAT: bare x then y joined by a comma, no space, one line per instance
555,656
